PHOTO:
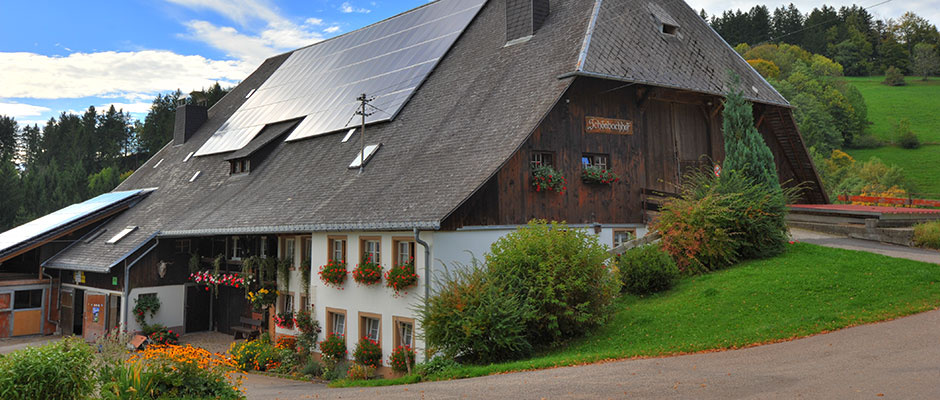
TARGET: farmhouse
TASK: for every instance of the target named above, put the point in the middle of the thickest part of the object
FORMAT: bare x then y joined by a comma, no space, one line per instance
463,101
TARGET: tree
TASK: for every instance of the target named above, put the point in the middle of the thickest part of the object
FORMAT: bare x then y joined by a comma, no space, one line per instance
818,22
760,24
104,181
8,133
912,29
157,129
745,150
893,54
893,77
30,143
925,60
787,23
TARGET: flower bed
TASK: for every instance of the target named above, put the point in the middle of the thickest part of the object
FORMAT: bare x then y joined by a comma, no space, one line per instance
367,273
333,273
401,277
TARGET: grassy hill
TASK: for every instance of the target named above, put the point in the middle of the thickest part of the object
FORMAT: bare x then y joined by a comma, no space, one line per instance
919,102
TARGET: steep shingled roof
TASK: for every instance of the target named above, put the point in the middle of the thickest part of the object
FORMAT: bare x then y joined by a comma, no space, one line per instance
626,42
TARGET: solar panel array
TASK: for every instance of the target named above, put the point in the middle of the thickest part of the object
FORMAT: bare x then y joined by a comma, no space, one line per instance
72,213
386,61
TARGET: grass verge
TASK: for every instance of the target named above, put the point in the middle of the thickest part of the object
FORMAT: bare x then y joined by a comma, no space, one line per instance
917,101
808,290
927,235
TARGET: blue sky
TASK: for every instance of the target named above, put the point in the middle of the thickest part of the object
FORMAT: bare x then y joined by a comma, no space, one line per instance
63,55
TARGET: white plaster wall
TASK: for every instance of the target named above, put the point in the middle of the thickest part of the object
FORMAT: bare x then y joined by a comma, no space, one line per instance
171,306
375,299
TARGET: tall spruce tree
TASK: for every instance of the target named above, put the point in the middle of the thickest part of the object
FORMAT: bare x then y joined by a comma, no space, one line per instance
745,150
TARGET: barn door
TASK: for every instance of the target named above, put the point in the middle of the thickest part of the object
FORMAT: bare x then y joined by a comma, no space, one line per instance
693,144
95,316
66,321
197,309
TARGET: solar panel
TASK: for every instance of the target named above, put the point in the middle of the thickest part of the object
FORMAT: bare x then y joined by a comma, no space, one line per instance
387,61
72,213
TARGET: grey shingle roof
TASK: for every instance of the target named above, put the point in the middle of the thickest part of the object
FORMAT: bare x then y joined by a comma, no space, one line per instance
627,43
475,110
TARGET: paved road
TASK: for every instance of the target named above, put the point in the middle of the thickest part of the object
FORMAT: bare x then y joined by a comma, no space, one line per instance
895,359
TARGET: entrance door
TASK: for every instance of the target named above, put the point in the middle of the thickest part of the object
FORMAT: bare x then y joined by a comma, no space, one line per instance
67,312
197,309
228,308
95,316
78,317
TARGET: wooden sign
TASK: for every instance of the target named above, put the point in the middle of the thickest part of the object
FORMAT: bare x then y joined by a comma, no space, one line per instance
608,125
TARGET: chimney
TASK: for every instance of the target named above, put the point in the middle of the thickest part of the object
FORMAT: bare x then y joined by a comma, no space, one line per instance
524,18
189,117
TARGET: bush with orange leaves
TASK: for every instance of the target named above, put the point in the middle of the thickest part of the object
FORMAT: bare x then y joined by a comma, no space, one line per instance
187,372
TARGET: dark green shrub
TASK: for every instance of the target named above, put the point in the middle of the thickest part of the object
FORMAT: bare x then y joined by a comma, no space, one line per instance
927,235
333,347
745,150
694,232
906,138
560,274
475,319
647,269
894,77
59,370
368,352
866,142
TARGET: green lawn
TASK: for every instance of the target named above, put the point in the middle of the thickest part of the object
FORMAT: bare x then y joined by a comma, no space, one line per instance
921,166
918,101
808,290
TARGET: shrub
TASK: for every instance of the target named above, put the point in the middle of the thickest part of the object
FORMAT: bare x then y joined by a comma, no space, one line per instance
401,277
334,371
189,372
436,365
145,306
333,347
470,316
129,381
646,270
867,141
358,372
333,273
306,323
59,370
312,368
894,77
368,352
546,178
401,358
560,274
694,233
766,68
367,273
284,320
286,343
905,136
162,336
256,355
745,150
927,235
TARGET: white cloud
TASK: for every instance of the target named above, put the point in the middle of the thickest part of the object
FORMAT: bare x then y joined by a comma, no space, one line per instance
347,8
240,11
18,110
332,29
111,74
314,21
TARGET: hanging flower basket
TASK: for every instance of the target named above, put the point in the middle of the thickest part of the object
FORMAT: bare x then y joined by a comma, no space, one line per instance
597,175
263,298
284,320
333,273
367,273
401,277
212,279
546,178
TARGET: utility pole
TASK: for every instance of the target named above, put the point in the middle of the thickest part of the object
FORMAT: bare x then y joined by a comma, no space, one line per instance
364,100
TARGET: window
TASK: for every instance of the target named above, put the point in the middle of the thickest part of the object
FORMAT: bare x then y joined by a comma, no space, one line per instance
337,248
404,250
286,302
120,235
239,166
670,29
540,158
264,246
236,251
369,152
289,250
307,249
25,299
335,321
371,249
596,160
404,332
183,246
622,236
370,326
303,302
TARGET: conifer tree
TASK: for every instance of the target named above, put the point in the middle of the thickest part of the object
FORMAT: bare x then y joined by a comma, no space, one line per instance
745,150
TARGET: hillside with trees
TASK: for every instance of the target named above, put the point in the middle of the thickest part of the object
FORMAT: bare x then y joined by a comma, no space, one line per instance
76,157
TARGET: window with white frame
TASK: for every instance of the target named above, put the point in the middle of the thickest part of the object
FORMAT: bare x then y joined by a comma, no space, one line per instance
371,328
286,302
404,332
596,160
371,250
622,236
337,248
236,252
289,244
307,249
404,251
264,246
541,158
337,323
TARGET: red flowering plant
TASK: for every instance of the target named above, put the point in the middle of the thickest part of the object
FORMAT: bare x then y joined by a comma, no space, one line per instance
164,336
367,273
333,273
368,352
595,174
401,277
402,357
333,347
284,320
546,178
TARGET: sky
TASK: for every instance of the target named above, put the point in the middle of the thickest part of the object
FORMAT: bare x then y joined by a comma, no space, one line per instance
63,56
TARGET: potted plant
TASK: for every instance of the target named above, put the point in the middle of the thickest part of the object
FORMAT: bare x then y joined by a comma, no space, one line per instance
284,320
367,273
546,178
597,175
263,298
401,277
333,273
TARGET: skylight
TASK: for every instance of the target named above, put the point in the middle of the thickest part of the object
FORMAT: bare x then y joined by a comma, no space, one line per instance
369,151
349,135
188,156
250,93
158,163
120,235
670,29
195,176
